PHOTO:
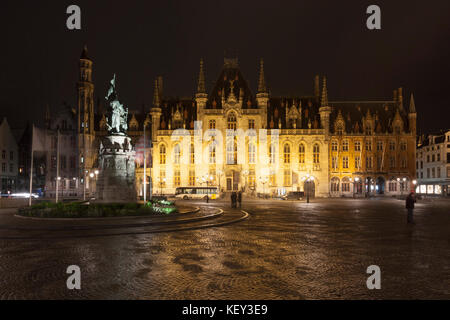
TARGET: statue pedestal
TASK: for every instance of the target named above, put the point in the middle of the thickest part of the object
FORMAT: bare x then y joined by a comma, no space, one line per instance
116,179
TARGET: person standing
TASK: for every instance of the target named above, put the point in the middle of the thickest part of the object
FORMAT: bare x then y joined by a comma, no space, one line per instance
410,200
239,198
233,199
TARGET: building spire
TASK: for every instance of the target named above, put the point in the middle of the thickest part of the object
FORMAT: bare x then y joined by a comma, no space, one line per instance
84,53
262,81
156,97
412,105
201,88
324,102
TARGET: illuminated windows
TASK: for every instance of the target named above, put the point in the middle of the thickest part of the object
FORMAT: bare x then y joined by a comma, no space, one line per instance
316,153
162,154
231,121
301,153
177,154
287,153
251,153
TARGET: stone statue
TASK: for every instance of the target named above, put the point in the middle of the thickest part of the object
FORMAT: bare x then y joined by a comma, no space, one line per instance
116,122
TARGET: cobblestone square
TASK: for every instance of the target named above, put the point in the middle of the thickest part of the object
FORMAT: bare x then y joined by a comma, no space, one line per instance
283,250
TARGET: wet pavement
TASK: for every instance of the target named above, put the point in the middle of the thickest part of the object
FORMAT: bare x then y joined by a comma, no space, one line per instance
283,250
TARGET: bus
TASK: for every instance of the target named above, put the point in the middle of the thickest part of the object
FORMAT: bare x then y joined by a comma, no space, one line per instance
186,193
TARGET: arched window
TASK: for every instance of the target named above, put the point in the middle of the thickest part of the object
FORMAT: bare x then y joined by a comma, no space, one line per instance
231,121
345,145
162,154
301,153
272,153
334,145
177,154
316,153
345,185
287,153
335,184
251,153
212,153
232,151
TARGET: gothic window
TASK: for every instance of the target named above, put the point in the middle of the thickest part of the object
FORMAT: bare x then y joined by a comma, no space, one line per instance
316,153
357,162
334,145
345,145
368,130
335,184
287,153
272,153
392,145
345,162
339,130
301,153
231,121
251,153
334,162
177,178
177,154
251,124
403,146
162,154
345,185
357,145
369,162
192,177
232,151
212,153
369,146
212,124
379,145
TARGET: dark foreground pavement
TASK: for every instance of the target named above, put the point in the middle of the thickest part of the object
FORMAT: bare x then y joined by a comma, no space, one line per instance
285,250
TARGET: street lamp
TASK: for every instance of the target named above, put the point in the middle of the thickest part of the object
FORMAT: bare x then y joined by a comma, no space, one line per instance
309,181
84,185
263,181
245,174
219,174
161,182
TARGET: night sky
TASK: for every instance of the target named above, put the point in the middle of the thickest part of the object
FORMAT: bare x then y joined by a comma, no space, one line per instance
297,39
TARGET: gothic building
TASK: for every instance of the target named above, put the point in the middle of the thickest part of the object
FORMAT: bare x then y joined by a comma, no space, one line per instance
232,138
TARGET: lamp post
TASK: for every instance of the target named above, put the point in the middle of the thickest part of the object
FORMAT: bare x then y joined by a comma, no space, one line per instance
161,182
245,174
57,190
263,181
219,174
84,185
309,180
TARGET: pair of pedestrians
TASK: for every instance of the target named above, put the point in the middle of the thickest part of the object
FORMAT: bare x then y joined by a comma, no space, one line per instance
236,197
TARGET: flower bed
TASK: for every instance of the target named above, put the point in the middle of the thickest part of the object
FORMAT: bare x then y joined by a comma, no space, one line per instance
97,210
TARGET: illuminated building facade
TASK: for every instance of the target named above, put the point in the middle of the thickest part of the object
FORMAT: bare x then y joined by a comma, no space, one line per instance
433,164
259,143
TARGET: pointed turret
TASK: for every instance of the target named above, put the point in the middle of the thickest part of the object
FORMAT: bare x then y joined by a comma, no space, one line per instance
155,111
317,87
324,101
84,53
262,80
412,116
412,105
156,97
324,110
201,88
